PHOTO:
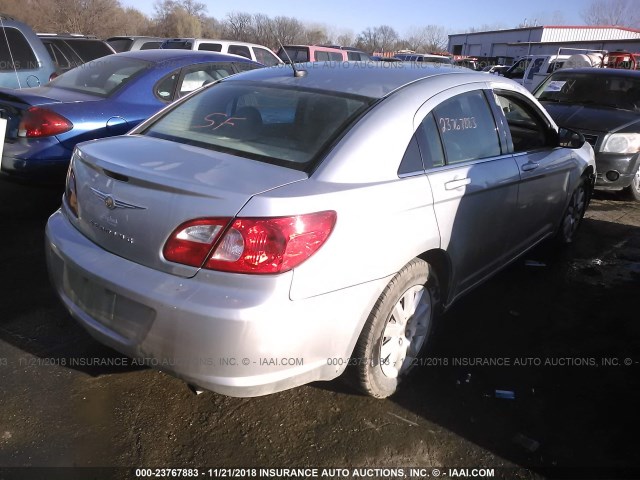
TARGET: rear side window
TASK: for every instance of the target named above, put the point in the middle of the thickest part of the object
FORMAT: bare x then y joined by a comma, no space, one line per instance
198,76
241,50
411,161
467,127
210,47
58,56
335,56
321,56
17,55
265,57
430,142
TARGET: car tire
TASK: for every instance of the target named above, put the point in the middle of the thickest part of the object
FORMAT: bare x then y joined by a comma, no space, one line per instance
632,192
574,213
396,331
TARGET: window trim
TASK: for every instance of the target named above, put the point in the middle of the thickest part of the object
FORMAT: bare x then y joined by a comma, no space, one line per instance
532,109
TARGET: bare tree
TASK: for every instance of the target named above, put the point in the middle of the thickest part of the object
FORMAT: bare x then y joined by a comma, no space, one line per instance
239,26
612,12
288,30
430,38
346,38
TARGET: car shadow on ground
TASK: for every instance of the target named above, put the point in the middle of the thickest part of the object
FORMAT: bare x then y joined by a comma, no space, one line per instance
540,365
32,318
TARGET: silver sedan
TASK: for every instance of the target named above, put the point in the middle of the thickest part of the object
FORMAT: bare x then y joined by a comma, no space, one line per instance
281,226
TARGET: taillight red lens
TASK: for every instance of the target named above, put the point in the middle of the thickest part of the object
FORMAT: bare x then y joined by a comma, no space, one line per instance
271,245
192,241
250,245
40,122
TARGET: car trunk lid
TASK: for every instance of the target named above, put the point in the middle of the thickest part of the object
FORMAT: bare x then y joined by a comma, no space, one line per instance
13,103
134,191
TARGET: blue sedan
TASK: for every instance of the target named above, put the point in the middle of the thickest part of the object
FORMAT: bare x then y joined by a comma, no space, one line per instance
102,98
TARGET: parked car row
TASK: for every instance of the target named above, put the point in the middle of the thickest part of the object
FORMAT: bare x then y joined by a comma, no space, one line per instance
30,60
101,99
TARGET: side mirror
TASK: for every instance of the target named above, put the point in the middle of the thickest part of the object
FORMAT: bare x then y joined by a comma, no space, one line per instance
570,138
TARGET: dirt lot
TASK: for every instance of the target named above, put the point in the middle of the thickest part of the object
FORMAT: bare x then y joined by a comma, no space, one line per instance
565,323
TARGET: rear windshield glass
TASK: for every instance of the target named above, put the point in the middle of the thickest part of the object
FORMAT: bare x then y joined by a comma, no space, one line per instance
89,49
101,77
121,44
584,89
296,54
17,54
178,44
279,125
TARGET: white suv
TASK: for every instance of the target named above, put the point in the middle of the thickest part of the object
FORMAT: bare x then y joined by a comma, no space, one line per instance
258,53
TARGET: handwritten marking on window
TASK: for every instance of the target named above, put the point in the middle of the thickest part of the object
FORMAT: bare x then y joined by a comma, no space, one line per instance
466,123
217,120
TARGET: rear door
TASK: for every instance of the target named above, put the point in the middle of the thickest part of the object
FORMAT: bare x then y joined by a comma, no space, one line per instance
474,183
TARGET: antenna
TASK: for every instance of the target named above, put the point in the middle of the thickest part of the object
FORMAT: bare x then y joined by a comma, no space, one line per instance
13,62
296,73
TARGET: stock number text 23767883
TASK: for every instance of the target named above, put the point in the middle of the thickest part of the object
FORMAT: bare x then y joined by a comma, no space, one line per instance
447,124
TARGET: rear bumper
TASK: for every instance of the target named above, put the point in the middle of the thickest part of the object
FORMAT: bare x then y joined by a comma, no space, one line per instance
38,159
239,335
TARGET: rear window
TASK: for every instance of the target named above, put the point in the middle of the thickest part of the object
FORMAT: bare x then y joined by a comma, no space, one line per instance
88,50
20,56
101,77
210,47
296,54
239,50
121,44
265,57
177,44
150,45
278,125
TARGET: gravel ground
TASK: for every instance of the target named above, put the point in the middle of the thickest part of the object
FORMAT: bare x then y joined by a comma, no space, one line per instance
554,331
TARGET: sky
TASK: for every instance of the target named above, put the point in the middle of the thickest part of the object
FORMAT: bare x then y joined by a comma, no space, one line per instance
356,15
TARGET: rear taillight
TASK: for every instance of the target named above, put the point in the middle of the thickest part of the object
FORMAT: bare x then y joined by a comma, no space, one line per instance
40,122
70,192
192,241
250,245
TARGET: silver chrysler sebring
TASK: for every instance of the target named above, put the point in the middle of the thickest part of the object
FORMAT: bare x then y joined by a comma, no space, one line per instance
282,226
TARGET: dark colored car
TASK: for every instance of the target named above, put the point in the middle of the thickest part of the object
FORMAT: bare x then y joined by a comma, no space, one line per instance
69,51
604,105
126,44
99,99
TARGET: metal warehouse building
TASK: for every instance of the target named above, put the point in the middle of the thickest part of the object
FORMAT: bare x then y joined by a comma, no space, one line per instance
505,45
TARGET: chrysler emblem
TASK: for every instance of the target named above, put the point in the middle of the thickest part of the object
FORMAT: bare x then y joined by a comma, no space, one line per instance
112,203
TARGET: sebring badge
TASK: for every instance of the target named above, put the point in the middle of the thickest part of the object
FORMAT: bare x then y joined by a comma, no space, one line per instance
111,203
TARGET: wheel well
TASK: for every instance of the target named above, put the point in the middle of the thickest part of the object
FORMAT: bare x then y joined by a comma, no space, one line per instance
440,262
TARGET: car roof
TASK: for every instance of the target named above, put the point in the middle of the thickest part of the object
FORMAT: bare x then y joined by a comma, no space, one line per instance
248,44
370,79
164,55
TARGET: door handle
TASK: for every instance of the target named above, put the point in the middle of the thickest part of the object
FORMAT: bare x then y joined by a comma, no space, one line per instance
453,184
527,167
